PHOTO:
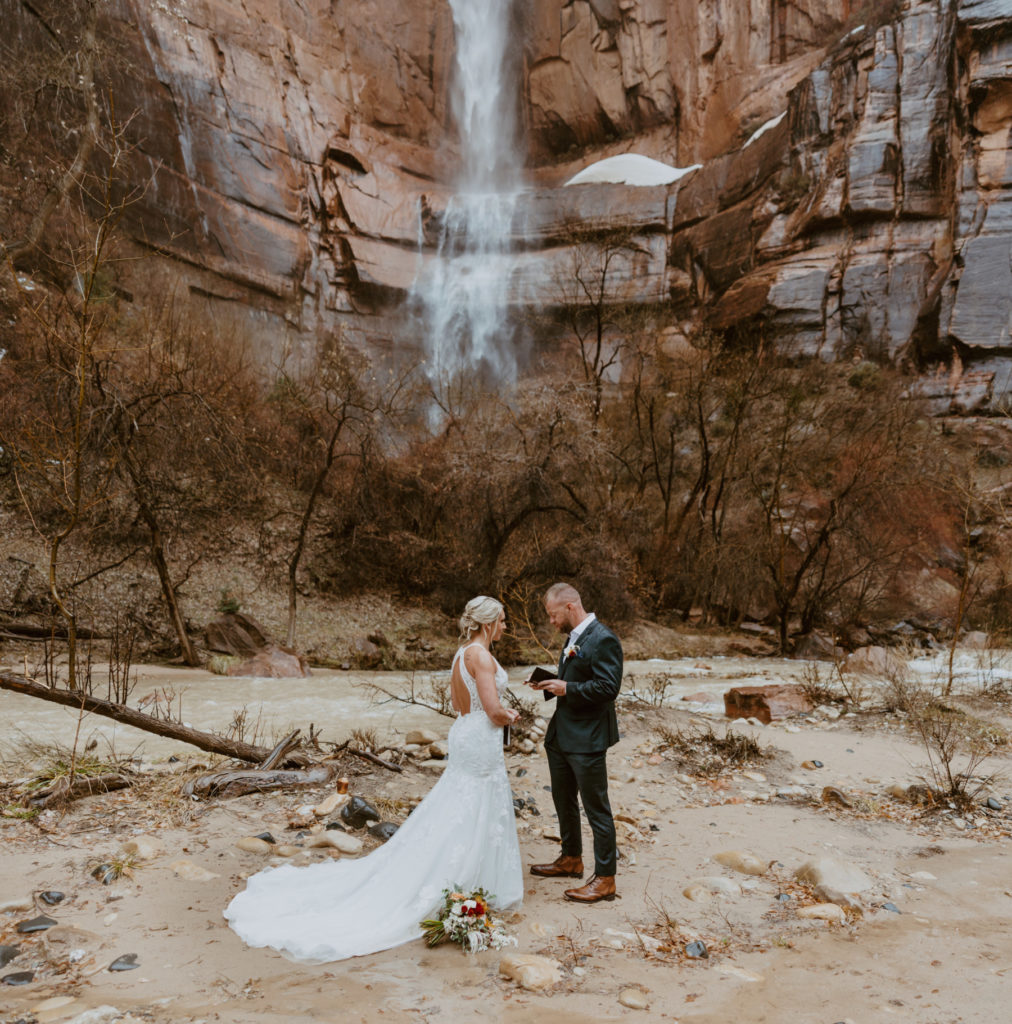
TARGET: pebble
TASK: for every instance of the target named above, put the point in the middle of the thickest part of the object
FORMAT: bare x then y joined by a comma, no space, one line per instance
35,924
531,971
105,873
831,873
51,898
892,908
739,860
126,962
191,871
551,833
634,998
993,804
7,954
434,764
754,776
340,841
823,912
382,830
421,737
438,750
357,812
333,803
526,747
789,792
251,844
285,850
18,978
266,837
697,950
701,889
832,795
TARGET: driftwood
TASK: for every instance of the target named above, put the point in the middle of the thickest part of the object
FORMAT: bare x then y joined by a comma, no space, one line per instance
365,755
280,752
63,791
208,741
238,783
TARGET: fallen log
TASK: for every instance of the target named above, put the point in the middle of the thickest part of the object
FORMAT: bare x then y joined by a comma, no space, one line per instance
240,782
208,741
32,631
63,791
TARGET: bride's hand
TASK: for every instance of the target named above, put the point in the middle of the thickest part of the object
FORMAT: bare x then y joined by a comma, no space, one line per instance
514,715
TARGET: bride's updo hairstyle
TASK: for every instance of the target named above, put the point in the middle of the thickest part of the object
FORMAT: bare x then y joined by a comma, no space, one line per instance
478,612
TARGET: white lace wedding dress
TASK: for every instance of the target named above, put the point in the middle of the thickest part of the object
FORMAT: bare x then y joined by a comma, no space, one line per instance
462,833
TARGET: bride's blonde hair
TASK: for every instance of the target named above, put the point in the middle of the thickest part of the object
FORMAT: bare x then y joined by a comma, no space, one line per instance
479,611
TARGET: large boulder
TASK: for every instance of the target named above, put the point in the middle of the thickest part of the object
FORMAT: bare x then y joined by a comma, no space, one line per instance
235,634
273,663
766,702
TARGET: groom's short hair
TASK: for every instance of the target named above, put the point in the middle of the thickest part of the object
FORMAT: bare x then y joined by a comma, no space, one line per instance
563,592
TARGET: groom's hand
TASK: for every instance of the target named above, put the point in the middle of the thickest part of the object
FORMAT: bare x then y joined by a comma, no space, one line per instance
557,687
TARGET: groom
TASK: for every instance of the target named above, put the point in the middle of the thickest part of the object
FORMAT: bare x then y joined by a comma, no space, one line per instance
582,729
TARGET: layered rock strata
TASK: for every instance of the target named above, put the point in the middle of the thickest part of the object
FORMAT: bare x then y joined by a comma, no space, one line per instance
855,194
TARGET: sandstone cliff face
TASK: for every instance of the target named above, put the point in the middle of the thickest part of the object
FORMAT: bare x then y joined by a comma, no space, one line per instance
600,70
297,150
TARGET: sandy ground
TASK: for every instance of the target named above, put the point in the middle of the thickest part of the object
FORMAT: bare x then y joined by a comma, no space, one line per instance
945,957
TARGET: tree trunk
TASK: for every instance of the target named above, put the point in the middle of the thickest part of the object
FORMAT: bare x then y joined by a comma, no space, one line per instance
120,713
169,593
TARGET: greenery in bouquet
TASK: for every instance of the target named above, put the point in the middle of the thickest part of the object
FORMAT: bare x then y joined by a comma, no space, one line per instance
466,918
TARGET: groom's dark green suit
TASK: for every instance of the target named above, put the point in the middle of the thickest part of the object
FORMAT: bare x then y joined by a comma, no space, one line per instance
582,729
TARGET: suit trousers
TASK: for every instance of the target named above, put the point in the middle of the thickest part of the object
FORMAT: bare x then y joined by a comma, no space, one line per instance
584,775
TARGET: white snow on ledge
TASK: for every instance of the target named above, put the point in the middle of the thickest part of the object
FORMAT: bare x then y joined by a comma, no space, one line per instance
631,169
772,123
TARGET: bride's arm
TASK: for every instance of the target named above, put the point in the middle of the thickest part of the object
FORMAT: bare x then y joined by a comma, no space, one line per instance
483,671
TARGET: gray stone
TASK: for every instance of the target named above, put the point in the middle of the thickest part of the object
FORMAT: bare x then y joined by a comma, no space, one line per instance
832,875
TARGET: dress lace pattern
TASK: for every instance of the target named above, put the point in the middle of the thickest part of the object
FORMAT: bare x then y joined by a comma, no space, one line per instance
463,833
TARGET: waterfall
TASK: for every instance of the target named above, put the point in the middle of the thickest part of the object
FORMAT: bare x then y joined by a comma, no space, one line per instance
463,291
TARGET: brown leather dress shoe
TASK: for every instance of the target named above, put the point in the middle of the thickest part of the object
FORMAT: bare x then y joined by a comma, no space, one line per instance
600,887
561,867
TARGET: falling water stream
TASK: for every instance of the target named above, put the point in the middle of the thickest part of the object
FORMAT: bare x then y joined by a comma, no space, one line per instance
464,290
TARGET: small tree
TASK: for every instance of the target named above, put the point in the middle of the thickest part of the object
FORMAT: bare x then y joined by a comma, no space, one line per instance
332,414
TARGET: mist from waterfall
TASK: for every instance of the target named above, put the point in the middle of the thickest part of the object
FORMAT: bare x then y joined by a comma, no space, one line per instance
463,291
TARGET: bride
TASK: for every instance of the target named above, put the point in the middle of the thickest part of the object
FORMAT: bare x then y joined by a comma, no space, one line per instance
463,833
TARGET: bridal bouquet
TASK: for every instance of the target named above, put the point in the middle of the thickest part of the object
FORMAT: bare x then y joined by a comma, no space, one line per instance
465,918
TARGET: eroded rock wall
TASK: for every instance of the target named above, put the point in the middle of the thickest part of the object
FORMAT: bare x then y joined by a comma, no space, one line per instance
298,153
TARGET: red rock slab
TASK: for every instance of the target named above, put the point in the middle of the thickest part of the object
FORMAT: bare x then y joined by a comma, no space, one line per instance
766,702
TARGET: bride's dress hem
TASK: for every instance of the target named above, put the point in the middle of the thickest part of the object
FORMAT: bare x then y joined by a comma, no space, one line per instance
462,834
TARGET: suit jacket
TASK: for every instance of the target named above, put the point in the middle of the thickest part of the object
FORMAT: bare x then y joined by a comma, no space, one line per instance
585,719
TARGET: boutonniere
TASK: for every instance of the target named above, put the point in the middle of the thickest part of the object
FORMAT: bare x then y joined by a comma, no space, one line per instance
572,651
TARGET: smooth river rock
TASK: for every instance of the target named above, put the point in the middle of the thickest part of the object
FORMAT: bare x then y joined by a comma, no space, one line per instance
739,860
531,971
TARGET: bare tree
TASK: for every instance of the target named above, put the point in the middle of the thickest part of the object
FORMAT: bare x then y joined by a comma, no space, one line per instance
334,412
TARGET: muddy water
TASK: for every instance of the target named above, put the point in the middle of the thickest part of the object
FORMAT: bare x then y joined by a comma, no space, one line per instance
337,702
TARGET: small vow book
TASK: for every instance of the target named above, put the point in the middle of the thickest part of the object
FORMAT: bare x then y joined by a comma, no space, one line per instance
539,675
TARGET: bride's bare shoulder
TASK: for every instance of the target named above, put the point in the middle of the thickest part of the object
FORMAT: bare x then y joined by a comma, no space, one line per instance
477,657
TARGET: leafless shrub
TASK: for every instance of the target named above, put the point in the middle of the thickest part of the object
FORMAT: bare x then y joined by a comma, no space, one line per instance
651,689
701,751
832,685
